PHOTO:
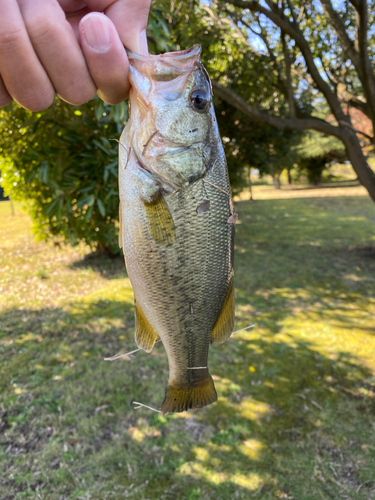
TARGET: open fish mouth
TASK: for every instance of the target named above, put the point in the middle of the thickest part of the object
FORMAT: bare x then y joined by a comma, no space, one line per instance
168,66
193,51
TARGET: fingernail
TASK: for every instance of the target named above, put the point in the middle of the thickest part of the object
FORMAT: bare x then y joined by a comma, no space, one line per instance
143,47
96,30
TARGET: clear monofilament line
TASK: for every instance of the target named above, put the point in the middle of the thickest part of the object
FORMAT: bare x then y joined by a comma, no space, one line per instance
238,331
141,405
118,356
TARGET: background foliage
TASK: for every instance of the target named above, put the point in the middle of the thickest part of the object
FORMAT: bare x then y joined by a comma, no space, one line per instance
62,163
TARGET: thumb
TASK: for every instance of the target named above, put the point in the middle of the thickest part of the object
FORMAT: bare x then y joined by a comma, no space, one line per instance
130,19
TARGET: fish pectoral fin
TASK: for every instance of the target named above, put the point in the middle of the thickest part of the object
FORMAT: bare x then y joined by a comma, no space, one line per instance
184,398
145,335
120,228
159,218
224,324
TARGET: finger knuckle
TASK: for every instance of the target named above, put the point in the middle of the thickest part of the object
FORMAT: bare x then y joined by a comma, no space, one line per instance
38,102
10,37
43,32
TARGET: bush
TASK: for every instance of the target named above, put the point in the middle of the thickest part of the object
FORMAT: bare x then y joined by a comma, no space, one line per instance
62,164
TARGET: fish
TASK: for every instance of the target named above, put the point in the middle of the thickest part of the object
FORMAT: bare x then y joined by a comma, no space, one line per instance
177,220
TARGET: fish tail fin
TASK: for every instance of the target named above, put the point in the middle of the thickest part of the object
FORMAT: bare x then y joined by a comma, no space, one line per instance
179,398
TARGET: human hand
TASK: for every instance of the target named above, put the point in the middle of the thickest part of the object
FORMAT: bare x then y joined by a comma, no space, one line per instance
69,47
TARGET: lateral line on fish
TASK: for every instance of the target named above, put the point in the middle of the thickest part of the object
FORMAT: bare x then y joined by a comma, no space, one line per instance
118,356
217,187
148,141
141,405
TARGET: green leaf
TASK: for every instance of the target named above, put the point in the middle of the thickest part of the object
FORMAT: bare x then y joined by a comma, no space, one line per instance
101,207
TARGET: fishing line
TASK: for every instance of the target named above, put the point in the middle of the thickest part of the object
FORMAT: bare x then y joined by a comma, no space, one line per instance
118,356
238,331
141,405
217,187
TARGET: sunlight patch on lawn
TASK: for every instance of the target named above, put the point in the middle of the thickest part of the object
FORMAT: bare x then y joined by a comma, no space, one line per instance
213,471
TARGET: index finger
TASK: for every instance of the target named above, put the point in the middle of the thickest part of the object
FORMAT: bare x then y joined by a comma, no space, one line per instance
130,19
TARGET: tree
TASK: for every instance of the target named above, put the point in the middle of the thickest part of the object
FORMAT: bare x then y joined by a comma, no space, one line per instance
62,163
225,55
312,52
315,152
248,146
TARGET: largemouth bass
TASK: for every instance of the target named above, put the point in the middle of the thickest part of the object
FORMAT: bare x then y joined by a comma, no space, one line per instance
177,220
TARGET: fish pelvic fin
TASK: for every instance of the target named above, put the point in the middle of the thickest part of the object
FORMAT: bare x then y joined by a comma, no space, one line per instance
159,219
145,335
223,327
179,399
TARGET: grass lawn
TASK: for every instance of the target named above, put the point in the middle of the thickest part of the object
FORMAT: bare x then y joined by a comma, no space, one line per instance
295,417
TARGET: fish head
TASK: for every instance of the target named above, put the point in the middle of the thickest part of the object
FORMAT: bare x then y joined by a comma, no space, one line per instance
173,126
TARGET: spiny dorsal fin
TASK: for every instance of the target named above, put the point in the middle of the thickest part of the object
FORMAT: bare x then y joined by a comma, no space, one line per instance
160,221
145,335
224,324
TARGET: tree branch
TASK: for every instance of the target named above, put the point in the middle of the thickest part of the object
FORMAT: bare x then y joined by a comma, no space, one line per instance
368,81
295,33
339,27
357,52
356,130
362,106
236,101
289,86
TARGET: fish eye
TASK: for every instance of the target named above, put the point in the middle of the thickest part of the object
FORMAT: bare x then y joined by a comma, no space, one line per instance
199,99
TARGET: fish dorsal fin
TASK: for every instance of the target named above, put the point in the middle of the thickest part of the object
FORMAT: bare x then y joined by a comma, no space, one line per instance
120,228
160,221
224,324
145,335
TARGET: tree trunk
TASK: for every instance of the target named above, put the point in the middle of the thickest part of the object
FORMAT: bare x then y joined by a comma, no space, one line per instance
289,178
358,160
250,186
276,181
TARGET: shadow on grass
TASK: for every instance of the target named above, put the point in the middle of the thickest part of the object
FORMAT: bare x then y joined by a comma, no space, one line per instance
274,433
107,265
295,414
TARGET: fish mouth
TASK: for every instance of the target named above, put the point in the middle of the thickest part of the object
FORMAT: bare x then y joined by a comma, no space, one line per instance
166,66
180,55
164,146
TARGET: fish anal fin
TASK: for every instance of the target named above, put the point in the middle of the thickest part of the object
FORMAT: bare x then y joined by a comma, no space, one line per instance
120,228
224,324
179,399
159,218
145,335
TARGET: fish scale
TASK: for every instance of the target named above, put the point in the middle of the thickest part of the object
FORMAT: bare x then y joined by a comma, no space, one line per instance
179,261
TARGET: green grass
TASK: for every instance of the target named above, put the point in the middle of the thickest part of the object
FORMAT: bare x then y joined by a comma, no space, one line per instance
295,415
